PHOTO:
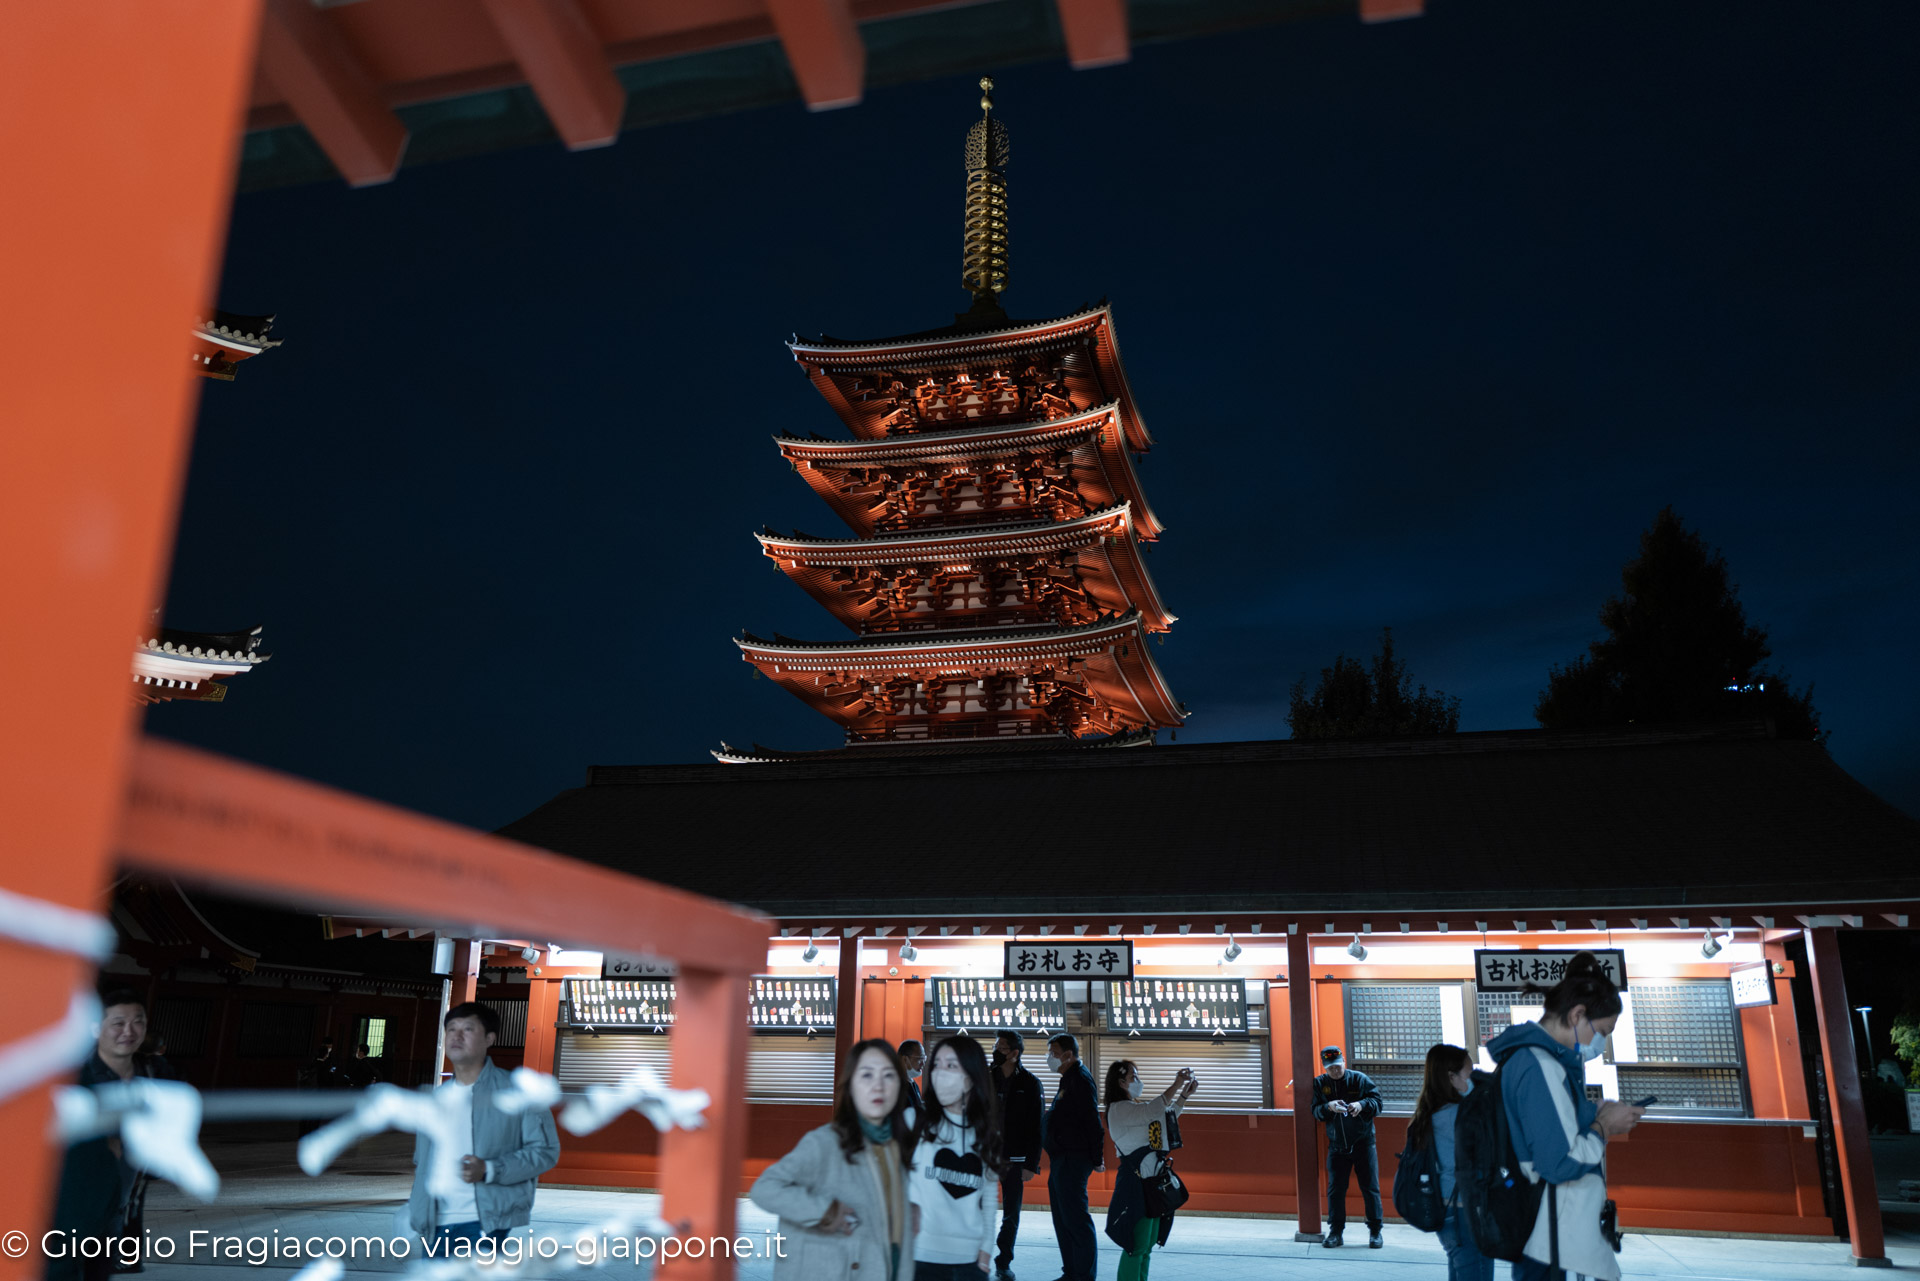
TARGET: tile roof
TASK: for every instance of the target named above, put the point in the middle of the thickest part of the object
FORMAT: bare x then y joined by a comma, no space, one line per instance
1681,816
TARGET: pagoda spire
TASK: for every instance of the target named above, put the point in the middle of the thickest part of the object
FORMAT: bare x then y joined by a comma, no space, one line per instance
984,248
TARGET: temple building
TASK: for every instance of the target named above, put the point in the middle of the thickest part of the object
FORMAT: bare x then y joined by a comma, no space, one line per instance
995,582
220,344
172,665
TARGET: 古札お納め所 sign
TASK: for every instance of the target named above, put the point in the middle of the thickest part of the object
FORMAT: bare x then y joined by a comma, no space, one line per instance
1497,971
1070,959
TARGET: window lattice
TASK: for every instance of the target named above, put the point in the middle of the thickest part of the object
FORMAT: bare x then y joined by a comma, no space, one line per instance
1495,1009
1399,1084
1689,1023
1684,1089
1392,1022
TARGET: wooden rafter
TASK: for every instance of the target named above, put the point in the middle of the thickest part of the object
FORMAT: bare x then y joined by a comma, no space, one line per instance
1096,32
823,47
566,65
306,59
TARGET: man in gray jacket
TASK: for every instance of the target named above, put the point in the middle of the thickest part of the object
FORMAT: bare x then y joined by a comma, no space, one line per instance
487,1189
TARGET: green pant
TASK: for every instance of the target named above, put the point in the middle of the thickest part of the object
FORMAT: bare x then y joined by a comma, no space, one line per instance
1134,1263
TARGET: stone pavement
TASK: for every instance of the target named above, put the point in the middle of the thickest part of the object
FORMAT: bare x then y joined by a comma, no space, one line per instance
266,1194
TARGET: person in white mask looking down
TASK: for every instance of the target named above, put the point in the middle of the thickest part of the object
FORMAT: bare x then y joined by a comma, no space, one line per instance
1559,1135
1140,1128
957,1166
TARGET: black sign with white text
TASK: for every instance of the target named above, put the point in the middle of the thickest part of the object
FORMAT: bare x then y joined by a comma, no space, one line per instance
1498,971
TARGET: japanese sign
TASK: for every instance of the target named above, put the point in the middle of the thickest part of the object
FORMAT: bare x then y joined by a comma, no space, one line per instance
634,965
1497,971
1209,1007
799,1007
1069,959
1031,1005
643,1005
1752,984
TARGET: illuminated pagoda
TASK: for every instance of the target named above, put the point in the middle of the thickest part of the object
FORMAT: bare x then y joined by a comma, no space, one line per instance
220,344
995,581
174,665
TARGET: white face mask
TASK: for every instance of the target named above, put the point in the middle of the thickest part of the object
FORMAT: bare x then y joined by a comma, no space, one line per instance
1135,1089
949,1086
1053,1062
1594,1046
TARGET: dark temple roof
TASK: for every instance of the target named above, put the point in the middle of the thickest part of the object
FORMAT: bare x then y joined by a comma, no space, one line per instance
1694,818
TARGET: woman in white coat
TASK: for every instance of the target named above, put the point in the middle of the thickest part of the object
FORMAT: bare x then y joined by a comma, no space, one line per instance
841,1194
1558,1134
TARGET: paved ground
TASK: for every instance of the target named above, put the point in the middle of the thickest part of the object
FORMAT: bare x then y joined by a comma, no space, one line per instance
266,1195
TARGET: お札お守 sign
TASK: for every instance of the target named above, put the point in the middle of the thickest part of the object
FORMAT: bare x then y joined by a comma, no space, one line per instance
1070,960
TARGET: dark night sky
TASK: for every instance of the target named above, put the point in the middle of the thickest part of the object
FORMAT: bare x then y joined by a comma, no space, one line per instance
1429,319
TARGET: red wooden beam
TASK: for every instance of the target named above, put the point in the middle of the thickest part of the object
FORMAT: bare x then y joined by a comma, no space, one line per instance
567,66
823,47
119,134
1849,1107
330,92
1096,32
1391,10
1306,1131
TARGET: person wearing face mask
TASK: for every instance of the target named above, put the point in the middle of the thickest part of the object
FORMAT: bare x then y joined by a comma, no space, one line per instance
1139,1128
841,1194
1347,1101
1076,1147
1448,1079
1558,1134
913,1057
957,1166
1020,1106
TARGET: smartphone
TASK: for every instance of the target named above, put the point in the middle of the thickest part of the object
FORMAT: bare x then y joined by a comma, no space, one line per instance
1647,1102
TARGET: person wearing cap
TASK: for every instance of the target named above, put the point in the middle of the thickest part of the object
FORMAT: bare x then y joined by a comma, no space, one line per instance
1348,1101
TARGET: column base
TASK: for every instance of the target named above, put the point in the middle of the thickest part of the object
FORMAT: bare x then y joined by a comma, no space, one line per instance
1882,1262
1321,1236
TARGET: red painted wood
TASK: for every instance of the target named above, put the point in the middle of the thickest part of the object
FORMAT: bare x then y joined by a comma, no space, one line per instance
823,46
1843,1093
330,92
566,65
1306,1144
1096,32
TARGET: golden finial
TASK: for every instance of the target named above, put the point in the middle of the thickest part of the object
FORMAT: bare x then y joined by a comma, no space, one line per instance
984,251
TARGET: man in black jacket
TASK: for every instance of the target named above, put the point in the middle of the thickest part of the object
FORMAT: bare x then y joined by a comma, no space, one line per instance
1075,1142
1348,1101
1019,1093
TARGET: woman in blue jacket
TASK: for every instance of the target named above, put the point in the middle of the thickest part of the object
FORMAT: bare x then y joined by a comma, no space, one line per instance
1559,1135
1448,1079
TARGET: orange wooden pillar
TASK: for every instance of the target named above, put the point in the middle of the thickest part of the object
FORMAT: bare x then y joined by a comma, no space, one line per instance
543,1008
1849,1108
119,125
1306,1134
700,1169
846,1014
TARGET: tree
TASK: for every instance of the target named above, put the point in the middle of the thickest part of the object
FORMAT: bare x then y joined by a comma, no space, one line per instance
1355,701
1678,647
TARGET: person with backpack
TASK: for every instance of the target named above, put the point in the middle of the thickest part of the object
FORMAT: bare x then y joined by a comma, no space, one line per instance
1427,1166
1347,1101
1555,1133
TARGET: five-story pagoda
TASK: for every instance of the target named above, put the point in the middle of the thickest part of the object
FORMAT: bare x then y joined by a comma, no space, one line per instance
994,584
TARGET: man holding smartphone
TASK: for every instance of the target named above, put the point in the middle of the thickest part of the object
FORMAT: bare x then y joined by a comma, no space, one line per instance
1348,1101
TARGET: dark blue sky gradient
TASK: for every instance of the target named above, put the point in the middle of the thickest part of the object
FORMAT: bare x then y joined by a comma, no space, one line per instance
1429,319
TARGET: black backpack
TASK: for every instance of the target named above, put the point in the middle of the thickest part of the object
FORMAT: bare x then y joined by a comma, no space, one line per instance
1416,1188
1501,1203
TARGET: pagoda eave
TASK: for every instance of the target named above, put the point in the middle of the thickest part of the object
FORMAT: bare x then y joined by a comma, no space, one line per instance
835,367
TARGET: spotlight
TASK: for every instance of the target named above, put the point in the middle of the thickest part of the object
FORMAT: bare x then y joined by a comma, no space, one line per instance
909,953
1711,946
529,954
812,953
1232,953
1355,950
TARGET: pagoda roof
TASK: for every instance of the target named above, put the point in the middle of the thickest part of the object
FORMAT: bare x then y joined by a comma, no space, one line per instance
178,664
241,333
1117,576
1112,651
836,364
896,749
1109,477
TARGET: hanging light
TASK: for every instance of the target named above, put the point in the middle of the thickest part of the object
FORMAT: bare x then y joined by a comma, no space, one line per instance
909,953
1355,950
1233,951
812,953
1710,946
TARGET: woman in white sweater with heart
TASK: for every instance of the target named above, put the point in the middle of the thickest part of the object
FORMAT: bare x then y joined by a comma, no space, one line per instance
957,1166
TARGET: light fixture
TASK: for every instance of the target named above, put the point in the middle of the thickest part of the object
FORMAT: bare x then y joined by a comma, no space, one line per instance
1711,946
812,953
1232,953
1355,950
529,954
908,952
443,955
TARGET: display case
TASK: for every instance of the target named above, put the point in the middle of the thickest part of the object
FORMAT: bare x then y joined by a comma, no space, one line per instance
1213,1008
637,1005
1024,1005
790,1006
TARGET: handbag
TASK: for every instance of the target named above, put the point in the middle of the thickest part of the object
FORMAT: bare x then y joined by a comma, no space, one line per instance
1164,1192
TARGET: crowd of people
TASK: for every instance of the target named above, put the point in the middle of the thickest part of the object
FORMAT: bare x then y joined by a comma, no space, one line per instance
924,1180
